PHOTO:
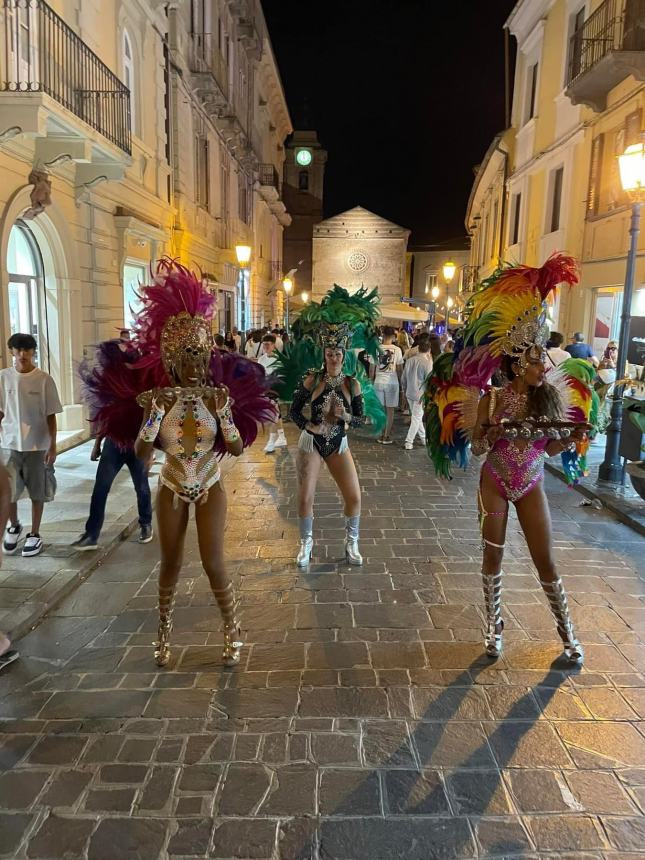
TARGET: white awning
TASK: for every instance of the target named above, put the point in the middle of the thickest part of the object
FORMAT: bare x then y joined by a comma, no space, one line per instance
403,311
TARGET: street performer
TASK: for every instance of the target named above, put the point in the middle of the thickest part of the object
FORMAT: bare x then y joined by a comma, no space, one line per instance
199,404
534,415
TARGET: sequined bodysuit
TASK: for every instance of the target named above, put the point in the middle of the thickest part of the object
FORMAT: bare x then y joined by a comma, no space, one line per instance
332,440
186,436
515,466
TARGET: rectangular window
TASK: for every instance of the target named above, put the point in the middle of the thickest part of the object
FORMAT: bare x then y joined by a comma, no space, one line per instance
493,234
632,128
575,44
431,281
244,198
516,208
530,104
556,198
202,172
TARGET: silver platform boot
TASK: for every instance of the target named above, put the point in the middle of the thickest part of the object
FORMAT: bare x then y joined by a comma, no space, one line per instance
306,541
560,608
352,553
493,600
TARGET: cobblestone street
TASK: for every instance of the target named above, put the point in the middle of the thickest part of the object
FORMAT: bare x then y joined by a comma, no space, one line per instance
363,721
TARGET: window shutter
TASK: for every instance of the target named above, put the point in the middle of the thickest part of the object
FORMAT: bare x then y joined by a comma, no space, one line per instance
593,197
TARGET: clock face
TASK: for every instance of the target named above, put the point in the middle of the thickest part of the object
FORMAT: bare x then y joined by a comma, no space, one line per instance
303,157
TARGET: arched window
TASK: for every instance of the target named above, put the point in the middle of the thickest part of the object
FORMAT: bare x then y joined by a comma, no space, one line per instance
26,286
303,180
129,79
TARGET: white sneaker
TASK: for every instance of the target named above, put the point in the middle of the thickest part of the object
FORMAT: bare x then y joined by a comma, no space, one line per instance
281,441
11,539
269,448
33,545
408,446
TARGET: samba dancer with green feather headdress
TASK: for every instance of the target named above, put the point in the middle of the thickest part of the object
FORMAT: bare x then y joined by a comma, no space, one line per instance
321,369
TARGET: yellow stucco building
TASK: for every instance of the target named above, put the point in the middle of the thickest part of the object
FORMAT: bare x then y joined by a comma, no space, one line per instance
550,181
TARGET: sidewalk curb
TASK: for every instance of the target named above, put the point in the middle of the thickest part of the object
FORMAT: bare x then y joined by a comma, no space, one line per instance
607,499
71,578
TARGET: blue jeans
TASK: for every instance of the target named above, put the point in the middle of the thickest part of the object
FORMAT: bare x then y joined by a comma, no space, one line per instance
112,461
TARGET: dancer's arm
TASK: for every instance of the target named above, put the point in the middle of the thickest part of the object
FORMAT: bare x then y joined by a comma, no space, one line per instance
484,434
357,415
153,413
300,398
232,438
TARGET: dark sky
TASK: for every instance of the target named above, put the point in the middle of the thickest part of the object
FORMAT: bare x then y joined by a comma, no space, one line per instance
406,95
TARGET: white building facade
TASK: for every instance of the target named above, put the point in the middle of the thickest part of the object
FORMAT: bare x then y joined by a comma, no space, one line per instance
129,130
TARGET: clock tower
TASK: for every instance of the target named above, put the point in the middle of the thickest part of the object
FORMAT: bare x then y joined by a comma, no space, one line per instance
302,192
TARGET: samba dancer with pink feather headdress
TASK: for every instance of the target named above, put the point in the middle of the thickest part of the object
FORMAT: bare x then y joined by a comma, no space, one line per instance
534,415
199,404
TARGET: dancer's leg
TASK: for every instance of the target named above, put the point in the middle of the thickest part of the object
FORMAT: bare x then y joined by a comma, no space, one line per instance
493,513
210,518
307,471
172,520
343,471
535,520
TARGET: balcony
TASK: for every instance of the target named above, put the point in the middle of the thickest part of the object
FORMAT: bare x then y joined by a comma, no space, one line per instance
269,183
209,73
469,279
42,55
606,49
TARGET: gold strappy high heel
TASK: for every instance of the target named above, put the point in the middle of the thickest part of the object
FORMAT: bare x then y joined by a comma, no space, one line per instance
233,643
166,606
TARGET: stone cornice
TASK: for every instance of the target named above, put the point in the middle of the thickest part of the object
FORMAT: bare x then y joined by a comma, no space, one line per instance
525,16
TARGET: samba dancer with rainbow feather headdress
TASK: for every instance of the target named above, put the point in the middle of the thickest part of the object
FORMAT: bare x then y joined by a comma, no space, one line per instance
199,404
535,415
338,393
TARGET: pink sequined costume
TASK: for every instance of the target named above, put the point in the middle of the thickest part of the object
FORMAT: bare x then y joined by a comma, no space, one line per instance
515,465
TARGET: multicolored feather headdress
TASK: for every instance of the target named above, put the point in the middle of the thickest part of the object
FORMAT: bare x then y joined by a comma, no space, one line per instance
506,316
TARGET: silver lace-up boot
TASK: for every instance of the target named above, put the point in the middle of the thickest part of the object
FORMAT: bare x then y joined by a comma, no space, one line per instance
352,553
306,541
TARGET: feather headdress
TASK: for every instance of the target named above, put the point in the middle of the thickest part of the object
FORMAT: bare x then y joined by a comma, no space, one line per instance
174,322
505,316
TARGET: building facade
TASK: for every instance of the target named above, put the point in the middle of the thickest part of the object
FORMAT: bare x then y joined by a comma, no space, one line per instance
360,249
128,131
578,102
427,277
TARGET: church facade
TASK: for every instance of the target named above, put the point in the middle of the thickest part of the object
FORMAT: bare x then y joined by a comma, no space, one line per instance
360,249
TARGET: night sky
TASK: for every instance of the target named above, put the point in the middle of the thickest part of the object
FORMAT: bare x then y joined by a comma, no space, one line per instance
406,96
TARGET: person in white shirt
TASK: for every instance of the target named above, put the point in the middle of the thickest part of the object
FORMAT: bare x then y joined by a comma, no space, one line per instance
386,379
414,374
279,343
269,360
554,349
29,404
237,337
253,348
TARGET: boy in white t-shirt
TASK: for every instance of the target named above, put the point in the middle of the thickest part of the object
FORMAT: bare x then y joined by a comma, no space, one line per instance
29,404
387,373
268,360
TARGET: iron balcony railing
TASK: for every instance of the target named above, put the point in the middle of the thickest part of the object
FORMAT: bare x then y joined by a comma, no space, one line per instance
42,54
470,278
269,176
616,25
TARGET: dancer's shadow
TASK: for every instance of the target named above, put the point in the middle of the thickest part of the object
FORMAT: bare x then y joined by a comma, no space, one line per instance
424,743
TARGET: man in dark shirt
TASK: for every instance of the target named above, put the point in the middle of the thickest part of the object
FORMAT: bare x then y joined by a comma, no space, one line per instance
580,349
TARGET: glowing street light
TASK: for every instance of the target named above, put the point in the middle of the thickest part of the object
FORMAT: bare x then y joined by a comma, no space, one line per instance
435,293
243,254
449,269
450,302
305,297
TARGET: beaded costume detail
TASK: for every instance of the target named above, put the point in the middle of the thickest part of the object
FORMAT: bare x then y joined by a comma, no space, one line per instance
189,471
515,466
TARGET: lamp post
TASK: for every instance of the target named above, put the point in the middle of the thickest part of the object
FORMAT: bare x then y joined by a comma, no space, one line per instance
243,254
632,177
287,285
434,292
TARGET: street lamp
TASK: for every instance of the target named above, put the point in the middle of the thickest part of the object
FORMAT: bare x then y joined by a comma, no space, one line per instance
434,292
305,297
287,285
449,269
632,177
243,254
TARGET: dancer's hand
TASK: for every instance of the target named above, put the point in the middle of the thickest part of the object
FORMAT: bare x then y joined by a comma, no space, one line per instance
494,432
162,397
220,397
342,413
578,435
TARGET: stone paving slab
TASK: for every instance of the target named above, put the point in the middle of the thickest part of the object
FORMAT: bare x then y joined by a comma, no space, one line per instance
364,720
